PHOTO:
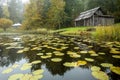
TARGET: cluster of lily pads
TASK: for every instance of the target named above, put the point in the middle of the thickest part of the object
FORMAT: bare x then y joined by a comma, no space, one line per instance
35,75
51,43
59,48
100,75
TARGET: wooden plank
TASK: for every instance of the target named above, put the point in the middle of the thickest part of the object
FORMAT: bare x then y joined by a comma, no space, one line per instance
93,20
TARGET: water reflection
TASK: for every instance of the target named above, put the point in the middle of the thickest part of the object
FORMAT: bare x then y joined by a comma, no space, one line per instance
56,71
9,56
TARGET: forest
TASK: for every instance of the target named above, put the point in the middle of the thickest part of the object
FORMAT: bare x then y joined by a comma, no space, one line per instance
53,14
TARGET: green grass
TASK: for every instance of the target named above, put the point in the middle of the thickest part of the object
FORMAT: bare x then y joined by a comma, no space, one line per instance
104,33
72,31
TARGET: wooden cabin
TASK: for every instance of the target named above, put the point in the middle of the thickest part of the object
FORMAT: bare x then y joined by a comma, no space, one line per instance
94,17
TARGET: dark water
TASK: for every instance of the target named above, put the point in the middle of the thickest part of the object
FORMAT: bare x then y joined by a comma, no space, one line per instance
52,70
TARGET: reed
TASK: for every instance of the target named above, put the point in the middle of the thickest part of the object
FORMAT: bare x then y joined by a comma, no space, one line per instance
108,33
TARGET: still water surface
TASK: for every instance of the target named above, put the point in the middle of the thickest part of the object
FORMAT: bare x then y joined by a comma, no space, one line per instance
52,70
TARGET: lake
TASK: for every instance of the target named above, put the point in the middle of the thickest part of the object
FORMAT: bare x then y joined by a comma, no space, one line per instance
48,57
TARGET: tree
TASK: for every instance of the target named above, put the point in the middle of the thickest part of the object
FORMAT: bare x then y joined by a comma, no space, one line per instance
1,12
33,15
16,10
5,23
56,13
72,9
5,12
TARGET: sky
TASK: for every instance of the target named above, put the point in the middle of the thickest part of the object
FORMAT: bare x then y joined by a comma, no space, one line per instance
24,1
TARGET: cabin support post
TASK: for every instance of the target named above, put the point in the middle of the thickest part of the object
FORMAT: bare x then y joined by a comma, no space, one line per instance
84,22
75,23
93,20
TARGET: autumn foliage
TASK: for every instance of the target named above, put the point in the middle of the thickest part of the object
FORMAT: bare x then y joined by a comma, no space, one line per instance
5,23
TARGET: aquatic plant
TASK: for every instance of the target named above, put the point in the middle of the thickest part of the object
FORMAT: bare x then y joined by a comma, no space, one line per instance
95,68
115,69
16,77
56,59
38,72
89,59
100,75
7,71
106,65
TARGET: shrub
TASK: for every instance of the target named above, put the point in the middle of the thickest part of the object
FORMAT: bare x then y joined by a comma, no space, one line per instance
5,23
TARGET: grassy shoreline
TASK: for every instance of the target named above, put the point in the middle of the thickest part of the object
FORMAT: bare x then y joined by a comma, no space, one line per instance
104,33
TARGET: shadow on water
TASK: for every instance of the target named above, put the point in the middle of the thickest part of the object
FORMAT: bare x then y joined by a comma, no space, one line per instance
56,71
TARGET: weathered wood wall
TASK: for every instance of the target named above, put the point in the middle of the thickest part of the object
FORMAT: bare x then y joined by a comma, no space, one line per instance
97,19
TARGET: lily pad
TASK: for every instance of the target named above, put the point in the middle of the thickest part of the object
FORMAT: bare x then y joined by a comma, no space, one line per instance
20,51
94,55
70,64
25,67
26,49
45,57
76,48
56,59
27,64
59,54
106,65
16,77
64,48
89,59
15,66
75,56
26,77
115,69
58,49
38,72
83,52
71,53
116,56
101,53
92,52
36,48
95,68
90,46
100,75
81,62
7,71
36,62
49,54
114,51
40,54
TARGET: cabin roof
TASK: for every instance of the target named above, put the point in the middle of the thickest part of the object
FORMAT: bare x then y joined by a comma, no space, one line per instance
87,14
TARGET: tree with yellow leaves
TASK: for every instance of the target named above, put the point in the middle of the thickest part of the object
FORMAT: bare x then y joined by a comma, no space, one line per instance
5,23
56,13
